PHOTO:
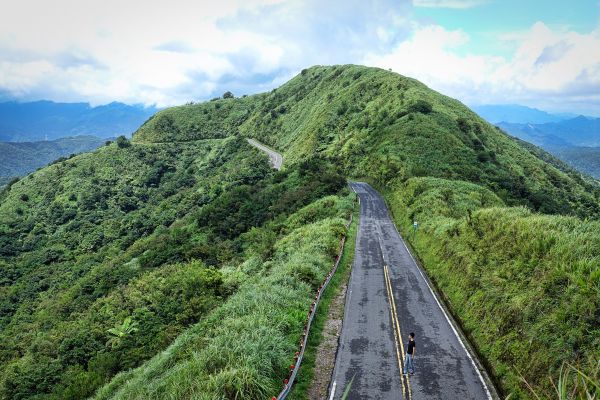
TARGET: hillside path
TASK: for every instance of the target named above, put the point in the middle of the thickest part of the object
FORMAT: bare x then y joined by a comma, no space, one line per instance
275,157
369,353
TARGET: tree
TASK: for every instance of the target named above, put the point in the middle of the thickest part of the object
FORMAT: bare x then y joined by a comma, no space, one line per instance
228,95
122,142
119,332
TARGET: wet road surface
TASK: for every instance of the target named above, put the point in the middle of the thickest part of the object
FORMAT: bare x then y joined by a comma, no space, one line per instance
388,297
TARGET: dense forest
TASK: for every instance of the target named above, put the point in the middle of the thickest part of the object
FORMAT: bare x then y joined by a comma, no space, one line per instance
184,240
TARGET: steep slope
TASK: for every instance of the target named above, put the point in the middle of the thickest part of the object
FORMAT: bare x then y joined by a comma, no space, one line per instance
18,159
384,126
108,256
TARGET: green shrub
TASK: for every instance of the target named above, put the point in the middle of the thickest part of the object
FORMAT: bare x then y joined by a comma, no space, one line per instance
421,106
122,142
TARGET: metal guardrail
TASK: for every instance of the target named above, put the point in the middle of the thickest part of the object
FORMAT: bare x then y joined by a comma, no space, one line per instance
294,368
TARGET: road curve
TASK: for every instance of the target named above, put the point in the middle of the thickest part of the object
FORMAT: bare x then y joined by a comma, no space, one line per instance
275,158
369,353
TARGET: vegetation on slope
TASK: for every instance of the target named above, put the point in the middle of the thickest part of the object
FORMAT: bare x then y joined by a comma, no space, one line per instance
244,348
382,125
108,256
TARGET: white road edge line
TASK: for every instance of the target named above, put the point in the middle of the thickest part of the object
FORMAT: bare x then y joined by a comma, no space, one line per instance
333,390
447,318
485,386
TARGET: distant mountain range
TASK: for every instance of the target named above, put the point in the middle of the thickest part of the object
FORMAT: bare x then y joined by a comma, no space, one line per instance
579,131
514,113
47,120
21,158
573,139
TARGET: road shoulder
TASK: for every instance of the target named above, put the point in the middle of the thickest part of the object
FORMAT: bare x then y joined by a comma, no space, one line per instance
319,359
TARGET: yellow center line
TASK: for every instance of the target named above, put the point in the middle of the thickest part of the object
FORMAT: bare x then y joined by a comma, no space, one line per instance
396,341
397,331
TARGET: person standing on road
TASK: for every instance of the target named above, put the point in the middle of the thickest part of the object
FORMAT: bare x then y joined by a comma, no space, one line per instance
410,354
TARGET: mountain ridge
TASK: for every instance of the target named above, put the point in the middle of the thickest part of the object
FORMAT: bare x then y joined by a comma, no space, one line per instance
515,113
506,233
444,140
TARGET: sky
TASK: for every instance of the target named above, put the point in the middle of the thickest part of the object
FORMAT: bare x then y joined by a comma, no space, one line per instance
543,54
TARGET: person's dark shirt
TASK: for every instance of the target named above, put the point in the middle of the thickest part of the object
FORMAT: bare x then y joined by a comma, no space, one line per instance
411,347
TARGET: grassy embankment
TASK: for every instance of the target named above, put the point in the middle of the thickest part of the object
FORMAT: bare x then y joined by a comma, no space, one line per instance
525,286
307,370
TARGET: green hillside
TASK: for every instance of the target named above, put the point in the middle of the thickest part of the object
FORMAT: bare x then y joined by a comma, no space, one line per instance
387,127
179,265
109,256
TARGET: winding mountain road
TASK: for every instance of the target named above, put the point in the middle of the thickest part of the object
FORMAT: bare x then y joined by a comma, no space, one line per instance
389,297
275,158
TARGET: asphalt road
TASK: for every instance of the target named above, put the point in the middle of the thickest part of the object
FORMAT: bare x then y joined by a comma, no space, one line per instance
275,158
369,353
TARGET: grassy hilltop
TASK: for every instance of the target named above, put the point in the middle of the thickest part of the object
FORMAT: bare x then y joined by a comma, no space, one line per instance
387,127
201,261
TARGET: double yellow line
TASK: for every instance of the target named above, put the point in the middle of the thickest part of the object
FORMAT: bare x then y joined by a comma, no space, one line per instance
397,334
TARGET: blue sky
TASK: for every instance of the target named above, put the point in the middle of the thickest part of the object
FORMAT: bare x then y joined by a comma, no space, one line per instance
544,54
485,20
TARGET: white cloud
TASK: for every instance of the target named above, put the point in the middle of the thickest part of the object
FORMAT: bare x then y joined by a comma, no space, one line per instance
154,52
557,70
461,4
170,53
134,51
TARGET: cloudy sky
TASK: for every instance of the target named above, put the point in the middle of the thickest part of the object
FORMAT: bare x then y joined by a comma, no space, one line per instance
541,53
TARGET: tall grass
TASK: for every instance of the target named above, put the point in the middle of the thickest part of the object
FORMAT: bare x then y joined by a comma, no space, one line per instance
307,371
526,287
573,384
